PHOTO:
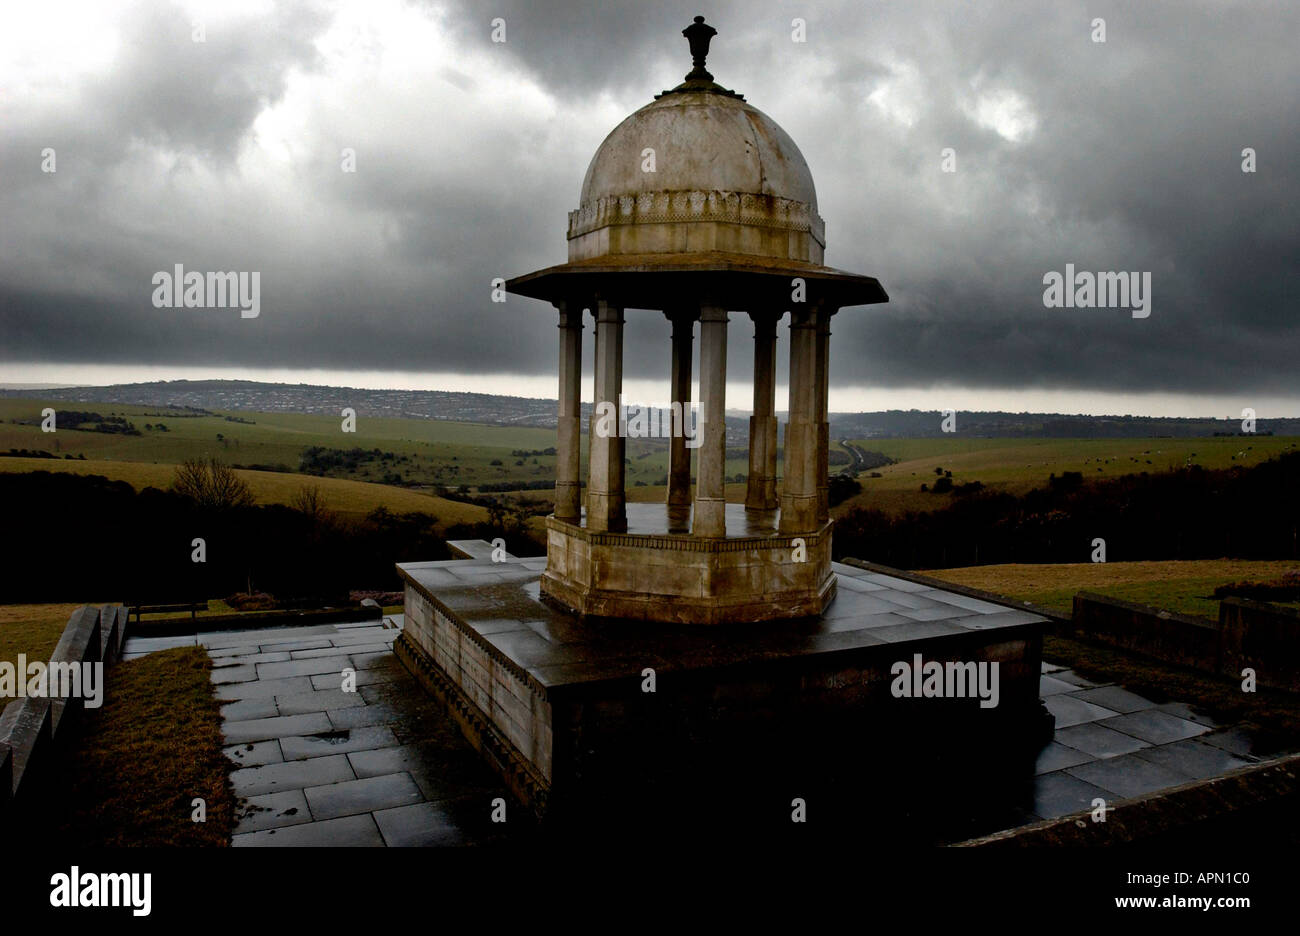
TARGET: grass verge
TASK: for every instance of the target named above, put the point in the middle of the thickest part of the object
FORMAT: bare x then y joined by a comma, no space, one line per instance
130,770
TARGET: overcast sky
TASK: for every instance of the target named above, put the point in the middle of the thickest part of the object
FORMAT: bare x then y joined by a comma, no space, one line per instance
225,155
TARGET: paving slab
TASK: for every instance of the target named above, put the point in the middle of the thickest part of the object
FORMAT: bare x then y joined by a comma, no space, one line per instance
255,753
1070,711
1192,759
294,646
364,677
265,636
369,660
318,700
248,658
291,775
280,726
330,664
1075,679
1056,756
1128,775
372,713
350,831
264,688
332,650
362,796
420,825
337,742
1115,698
1156,727
233,674
373,635
272,811
1235,740
1049,686
1098,740
247,709
1059,794
441,771
1185,711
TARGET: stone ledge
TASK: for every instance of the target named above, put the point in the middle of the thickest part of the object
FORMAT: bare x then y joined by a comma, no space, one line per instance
1056,617
1167,811
524,781
29,726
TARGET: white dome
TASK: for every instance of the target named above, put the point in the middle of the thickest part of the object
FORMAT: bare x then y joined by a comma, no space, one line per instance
702,142
725,178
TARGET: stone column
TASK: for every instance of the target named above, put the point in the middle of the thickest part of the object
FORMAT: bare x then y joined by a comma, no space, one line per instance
568,458
679,456
606,503
824,314
711,465
760,493
799,490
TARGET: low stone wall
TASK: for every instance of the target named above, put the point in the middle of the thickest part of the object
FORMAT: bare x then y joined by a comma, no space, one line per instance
29,727
177,627
1248,633
1262,636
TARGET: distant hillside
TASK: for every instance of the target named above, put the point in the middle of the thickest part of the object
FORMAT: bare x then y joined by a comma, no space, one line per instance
261,397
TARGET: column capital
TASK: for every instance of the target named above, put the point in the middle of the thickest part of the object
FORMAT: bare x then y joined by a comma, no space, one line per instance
607,312
684,312
803,316
713,313
570,312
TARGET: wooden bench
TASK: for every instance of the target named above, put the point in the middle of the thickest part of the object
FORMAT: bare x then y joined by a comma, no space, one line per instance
140,608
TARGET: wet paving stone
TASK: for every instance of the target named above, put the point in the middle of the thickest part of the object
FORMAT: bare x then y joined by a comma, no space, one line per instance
318,700
247,709
255,754
1115,698
272,811
350,831
362,796
1059,794
264,688
1193,759
1098,740
1048,686
1128,775
363,677
1156,727
291,775
233,674
1070,711
331,664
337,742
1056,756
282,726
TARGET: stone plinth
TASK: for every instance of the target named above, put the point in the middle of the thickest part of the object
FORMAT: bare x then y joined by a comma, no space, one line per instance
648,574
560,704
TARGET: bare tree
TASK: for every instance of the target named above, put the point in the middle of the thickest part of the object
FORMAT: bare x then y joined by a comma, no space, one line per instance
309,501
211,484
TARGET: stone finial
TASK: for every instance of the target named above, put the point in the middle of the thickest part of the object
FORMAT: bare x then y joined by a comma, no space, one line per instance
698,35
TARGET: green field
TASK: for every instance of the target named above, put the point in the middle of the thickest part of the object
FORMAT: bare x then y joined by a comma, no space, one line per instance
426,453
1181,586
1019,465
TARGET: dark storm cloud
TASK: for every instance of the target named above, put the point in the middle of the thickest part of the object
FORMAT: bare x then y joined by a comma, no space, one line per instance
1116,156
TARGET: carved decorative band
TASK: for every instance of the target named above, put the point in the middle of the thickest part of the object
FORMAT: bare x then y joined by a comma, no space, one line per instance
681,543
736,207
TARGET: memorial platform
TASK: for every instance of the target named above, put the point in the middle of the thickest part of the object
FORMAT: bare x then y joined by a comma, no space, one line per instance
576,714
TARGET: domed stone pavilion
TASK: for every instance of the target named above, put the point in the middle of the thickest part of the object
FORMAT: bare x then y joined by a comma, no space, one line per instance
698,206
695,662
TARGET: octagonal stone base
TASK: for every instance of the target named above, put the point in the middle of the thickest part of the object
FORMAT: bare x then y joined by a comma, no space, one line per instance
654,576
